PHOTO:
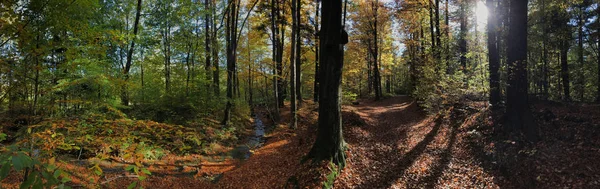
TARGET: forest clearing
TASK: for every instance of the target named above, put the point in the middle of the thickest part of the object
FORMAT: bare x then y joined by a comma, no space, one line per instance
299,94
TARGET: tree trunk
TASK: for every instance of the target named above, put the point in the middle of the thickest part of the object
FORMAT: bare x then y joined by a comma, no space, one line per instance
317,79
298,53
462,41
330,144
375,52
544,53
207,40
564,69
124,94
494,62
519,116
231,46
447,42
215,51
580,78
293,54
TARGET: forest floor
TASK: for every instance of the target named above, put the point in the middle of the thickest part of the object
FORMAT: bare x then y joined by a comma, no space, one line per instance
394,144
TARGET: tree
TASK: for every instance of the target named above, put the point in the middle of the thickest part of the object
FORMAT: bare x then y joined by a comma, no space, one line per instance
598,50
278,35
494,62
316,80
462,36
298,51
375,50
519,116
207,38
124,95
293,64
330,143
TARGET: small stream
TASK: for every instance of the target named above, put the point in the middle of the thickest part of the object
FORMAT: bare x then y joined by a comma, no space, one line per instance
255,141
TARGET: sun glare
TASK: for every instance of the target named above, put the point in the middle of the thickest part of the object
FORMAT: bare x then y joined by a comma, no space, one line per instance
481,14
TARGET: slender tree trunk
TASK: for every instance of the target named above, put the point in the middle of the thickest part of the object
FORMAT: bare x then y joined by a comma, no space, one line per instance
317,51
298,53
37,77
215,51
124,93
462,41
447,42
580,78
494,62
142,75
188,69
293,54
330,143
207,40
432,25
519,116
564,69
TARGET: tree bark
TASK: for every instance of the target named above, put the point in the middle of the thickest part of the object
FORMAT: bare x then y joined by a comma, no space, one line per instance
564,69
462,41
231,46
375,52
316,83
207,39
293,63
519,116
580,78
124,94
494,62
298,53
330,144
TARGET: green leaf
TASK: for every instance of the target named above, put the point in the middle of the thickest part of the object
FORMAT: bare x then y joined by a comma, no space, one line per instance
2,137
129,168
57,173
146,171
21,161
29,181
4,170
65,179
132,185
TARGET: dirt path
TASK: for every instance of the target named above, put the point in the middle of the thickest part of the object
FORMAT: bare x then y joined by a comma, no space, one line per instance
400,147
393,144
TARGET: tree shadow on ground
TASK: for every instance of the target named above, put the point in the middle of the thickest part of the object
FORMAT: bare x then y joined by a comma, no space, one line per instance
438,168
390,173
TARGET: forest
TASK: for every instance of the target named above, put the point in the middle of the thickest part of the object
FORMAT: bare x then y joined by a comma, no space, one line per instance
299,93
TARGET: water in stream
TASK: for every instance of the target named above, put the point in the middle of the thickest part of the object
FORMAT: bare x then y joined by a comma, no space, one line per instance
252,142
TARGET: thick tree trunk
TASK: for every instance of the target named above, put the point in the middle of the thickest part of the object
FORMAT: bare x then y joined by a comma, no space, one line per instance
598,57
275,42
124,93
494,62
330,143
375,51
519,116
231,46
